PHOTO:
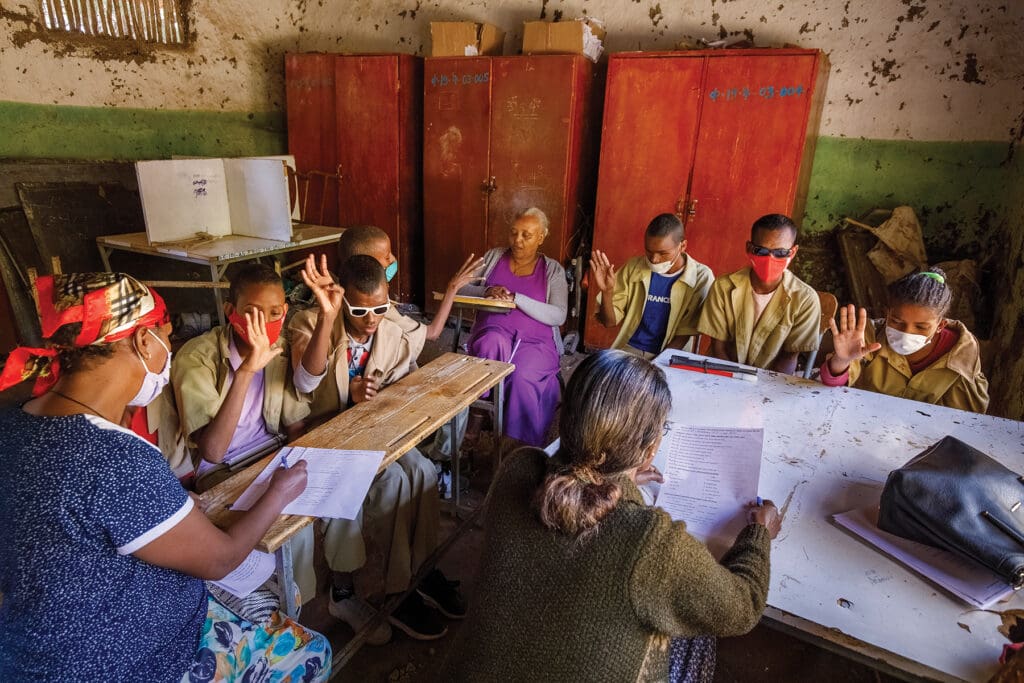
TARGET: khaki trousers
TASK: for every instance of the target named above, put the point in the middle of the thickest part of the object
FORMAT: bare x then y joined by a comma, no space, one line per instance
399,518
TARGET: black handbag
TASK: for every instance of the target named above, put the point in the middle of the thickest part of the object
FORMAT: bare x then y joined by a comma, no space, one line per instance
955,497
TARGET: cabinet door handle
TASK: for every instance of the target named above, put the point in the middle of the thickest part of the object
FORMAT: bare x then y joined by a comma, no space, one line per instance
691,211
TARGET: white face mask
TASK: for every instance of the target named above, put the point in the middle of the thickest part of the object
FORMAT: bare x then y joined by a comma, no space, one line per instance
904,343
663,267
153,383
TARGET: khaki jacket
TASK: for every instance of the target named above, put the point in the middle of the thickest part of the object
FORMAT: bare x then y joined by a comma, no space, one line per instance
955,380
791,321
162,418
391,356
200,372
686,299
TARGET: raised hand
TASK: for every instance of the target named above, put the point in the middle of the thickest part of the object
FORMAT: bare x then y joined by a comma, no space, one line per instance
465,274
848,339
328,293
363,389
603,271
260,351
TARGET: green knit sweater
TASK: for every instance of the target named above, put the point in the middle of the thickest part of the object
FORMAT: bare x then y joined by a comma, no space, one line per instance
549,609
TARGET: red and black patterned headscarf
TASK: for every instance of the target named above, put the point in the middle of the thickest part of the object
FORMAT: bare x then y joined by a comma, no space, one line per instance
109,306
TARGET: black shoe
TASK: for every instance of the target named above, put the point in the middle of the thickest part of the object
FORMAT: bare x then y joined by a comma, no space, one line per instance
443,595
418,620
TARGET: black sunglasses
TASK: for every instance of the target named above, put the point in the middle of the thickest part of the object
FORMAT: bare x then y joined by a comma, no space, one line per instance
758,250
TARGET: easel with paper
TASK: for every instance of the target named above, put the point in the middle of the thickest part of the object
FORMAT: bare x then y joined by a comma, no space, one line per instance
188,199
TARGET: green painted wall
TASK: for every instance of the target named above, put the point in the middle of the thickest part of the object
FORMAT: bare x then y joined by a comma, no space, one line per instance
61,132
954,187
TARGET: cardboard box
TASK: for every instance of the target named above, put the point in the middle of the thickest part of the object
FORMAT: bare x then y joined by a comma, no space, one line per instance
580,37
465,39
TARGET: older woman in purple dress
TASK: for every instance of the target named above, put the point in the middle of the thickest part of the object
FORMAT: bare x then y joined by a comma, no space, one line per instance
528,336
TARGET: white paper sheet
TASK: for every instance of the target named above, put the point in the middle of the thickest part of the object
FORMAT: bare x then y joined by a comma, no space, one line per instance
711,473
258,197
254,571
183,197
336,486
968,581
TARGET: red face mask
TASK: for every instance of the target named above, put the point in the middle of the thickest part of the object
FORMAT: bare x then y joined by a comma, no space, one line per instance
237,321
768,268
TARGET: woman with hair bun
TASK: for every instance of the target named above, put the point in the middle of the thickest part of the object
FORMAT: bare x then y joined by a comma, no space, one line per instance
915,352
585,582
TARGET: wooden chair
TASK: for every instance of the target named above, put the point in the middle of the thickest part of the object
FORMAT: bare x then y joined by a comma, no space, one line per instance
829,306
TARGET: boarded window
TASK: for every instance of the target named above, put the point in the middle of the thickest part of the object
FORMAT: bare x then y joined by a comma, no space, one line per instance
159,21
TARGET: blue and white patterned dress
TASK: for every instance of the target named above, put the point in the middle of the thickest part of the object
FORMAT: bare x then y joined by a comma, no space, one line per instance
78,496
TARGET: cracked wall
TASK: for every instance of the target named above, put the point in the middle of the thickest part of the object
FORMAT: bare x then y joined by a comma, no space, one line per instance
923,103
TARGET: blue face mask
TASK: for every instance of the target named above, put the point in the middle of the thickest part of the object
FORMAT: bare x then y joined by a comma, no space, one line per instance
391,271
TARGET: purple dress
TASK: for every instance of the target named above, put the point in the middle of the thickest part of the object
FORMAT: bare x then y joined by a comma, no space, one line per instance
531,392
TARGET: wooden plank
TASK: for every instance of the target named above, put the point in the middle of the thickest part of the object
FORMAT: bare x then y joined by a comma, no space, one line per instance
18,253
66,219
401,416
480,303
14,171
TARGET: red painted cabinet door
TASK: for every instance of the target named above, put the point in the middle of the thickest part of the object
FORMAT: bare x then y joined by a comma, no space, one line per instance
647,145
752,131
456,147
531,111
309,86
718,137
366,97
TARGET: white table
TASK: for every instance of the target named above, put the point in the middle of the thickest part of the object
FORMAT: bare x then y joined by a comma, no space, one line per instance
218,254
828,451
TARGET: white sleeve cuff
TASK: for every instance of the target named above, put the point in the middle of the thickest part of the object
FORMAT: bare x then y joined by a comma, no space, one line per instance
306,382
159,530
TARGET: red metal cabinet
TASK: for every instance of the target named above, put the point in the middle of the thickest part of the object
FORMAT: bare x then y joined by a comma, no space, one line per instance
362,115
718,137
502,134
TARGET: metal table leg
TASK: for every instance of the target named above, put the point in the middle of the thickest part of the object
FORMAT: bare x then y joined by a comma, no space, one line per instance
286,580
499,421
456,466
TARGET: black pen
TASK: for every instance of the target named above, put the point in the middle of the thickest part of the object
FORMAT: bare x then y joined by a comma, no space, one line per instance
1004,527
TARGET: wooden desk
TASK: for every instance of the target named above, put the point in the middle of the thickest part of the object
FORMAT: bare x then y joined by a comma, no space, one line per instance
219,253
397,419
828,451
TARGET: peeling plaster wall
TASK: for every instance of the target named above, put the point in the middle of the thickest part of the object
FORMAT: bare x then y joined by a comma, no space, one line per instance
902,69
923,106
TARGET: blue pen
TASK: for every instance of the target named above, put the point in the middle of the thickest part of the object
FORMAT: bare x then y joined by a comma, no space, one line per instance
284,464
760,501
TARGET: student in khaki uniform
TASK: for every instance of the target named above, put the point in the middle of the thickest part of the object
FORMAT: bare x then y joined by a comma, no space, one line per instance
914,352
233,384
763,315
656,299
234,390
344,360
372,241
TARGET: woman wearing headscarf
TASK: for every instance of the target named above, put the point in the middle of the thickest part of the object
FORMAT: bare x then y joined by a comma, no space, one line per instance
584,581
103,554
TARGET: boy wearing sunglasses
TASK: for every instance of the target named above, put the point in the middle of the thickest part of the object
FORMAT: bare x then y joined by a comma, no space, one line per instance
763,315
343,353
